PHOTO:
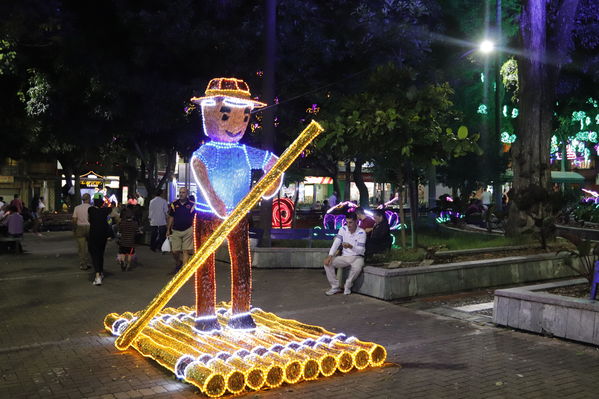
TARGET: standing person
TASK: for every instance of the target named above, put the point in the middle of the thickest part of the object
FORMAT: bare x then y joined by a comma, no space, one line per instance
128,229
180,228
486,198
2,203
17,203
81,230
158,212
353,240
364,221
333,199
140,199
99,231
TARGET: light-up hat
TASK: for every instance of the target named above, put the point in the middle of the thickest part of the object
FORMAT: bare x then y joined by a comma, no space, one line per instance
230,87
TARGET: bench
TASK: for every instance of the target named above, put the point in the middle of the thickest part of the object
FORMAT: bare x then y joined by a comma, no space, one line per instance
17,240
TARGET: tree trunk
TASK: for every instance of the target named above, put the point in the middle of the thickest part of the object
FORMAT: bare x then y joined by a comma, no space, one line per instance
413,200
359,179
537,81
346,192
268,131
402,219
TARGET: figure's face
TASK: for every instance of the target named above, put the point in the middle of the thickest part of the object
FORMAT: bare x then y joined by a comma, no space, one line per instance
226,118
378,218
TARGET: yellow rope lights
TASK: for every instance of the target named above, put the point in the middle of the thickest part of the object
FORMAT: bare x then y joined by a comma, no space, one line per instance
230,361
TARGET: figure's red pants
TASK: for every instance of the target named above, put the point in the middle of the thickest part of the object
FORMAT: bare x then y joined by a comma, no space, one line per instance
241,267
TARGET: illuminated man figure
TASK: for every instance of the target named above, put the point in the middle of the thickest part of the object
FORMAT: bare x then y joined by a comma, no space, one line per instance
223,171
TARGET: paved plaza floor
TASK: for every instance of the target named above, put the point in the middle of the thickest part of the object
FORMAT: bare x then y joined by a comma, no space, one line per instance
52,341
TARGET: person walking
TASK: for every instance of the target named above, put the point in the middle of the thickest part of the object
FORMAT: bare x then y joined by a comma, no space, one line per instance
353,241
81,230
180,228
99,231
128,229
158,212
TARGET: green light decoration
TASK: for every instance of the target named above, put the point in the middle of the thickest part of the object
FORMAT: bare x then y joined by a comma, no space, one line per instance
515,113
593,102
482,77
507,138
554,145
505,111
482,109
586,136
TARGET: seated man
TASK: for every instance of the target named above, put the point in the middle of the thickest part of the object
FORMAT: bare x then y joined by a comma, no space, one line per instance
353,240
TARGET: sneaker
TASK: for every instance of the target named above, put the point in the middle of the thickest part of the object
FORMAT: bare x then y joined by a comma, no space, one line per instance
98,280
333,291
347,292
122,264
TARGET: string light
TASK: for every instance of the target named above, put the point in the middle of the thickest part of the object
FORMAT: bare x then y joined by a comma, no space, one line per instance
277,351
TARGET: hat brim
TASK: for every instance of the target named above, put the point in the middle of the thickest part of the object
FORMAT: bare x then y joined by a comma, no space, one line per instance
257,104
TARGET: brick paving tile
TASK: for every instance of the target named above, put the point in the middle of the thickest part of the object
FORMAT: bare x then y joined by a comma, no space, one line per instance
45,354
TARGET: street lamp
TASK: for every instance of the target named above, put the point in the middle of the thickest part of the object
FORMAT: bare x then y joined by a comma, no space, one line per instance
486,47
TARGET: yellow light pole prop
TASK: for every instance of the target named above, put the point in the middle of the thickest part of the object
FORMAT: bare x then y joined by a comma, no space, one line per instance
219,235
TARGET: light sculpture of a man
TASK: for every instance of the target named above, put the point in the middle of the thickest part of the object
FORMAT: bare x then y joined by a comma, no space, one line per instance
222,169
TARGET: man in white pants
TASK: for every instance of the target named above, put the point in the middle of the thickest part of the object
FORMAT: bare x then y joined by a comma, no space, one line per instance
353,240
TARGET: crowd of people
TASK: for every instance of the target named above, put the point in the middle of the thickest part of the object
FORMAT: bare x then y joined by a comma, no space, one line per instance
96,221
15,217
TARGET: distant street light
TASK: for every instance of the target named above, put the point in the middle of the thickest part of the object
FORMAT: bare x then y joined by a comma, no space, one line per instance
487,47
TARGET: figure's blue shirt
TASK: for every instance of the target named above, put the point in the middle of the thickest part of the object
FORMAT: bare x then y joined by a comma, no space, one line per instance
229,167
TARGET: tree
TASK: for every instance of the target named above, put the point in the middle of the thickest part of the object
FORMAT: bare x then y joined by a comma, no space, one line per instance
402,125
547,33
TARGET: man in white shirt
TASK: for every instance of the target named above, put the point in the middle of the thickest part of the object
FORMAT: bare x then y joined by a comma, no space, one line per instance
81,230
353,240
157,214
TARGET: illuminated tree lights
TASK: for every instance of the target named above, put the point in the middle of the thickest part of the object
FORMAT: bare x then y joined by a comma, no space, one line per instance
229,361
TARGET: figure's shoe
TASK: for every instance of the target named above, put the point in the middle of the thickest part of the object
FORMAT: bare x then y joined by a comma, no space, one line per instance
207,324
242,321
347,292
97,280
333,291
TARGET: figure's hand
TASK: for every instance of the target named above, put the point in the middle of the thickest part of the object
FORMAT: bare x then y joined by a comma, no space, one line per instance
368,229
327,260
347,245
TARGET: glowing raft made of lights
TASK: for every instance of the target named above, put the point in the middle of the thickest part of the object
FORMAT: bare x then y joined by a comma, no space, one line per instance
230,361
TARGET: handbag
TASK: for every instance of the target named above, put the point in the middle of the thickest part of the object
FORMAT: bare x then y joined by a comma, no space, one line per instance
166,245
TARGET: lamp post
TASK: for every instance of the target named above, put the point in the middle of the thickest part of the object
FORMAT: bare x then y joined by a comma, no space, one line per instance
487,47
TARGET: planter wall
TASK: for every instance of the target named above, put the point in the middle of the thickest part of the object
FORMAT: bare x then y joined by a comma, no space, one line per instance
527,309
455,277
281,258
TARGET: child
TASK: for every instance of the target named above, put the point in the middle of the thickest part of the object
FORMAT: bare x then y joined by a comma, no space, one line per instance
128,228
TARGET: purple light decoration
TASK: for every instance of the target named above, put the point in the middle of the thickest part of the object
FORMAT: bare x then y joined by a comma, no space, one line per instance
337,221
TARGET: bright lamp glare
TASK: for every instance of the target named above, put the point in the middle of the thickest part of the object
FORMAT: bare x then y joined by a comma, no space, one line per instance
487,46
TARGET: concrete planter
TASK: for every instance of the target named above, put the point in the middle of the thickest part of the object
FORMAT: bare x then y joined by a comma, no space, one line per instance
527,309
461,276
281,258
